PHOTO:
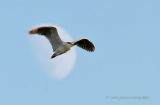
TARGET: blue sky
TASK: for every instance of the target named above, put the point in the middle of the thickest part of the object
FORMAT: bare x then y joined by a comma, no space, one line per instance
126,62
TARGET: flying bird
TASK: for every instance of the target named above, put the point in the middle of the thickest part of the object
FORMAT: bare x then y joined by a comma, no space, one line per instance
58,45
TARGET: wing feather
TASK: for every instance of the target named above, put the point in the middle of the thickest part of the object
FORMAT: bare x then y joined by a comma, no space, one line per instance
85,44
50,33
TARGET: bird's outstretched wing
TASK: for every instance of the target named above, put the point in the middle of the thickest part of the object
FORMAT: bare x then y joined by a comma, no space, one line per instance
50,33
85,44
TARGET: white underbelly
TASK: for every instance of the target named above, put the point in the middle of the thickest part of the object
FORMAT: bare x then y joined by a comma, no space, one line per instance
62,49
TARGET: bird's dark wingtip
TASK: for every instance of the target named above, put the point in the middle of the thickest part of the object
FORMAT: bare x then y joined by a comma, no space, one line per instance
94,49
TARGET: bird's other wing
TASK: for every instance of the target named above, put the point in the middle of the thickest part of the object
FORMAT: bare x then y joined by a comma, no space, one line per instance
50,33
85,44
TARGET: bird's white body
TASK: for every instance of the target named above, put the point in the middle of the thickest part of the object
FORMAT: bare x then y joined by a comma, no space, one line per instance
64,47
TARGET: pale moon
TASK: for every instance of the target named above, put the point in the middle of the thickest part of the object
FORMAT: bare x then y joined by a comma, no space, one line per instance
59,67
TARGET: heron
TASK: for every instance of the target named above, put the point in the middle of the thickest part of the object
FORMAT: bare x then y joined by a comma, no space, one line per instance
58,45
